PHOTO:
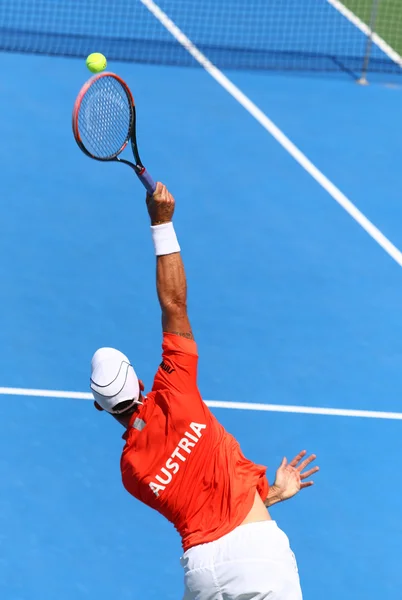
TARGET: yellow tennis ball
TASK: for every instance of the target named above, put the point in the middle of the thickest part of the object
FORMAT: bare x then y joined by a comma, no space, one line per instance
96,62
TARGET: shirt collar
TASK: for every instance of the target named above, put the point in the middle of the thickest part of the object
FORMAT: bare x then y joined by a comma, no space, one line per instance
136,415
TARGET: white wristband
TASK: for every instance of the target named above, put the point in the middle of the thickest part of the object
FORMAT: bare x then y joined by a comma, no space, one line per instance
164,239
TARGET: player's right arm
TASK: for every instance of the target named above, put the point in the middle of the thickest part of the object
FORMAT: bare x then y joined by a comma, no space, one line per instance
171,280
178,369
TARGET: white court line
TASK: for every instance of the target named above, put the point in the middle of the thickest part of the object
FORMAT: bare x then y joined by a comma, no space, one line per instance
306,410
276,133
282,408
378,41
4,391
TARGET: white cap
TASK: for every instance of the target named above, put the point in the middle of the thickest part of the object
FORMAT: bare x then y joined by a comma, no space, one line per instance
113,379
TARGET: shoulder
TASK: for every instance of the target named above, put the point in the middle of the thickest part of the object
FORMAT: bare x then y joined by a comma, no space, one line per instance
175,342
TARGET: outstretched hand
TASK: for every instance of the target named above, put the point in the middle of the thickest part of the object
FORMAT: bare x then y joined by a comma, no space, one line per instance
291,476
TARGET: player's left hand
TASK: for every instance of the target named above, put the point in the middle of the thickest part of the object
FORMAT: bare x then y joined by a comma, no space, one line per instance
291,476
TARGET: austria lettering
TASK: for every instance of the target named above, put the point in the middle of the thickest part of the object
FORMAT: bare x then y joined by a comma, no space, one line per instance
180,454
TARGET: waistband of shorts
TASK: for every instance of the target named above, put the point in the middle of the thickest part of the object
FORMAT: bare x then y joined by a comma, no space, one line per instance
255,528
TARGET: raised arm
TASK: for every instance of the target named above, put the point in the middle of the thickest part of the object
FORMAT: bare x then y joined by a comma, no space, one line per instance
171,281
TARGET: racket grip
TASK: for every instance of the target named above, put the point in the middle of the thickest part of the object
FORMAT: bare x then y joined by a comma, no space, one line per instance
147,181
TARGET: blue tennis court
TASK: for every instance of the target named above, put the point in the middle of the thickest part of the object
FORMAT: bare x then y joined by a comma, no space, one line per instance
291,302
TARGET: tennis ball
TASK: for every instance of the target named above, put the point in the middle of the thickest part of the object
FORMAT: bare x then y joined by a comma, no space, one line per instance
96,62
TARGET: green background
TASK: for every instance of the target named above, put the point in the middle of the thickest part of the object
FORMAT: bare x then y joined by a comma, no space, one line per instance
389,19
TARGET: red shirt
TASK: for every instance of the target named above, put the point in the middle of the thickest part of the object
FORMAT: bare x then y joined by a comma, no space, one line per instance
179,460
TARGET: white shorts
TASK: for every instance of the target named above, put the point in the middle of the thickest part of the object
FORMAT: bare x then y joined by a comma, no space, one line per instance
253,562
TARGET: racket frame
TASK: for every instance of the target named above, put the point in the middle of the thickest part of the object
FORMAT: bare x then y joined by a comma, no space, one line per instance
131,135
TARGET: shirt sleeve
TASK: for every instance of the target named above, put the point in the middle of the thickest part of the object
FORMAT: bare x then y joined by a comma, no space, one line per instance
263,487
178,369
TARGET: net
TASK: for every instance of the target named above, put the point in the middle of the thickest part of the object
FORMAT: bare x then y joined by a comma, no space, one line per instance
311,35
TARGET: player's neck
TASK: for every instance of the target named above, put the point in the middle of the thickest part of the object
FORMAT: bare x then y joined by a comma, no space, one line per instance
124,420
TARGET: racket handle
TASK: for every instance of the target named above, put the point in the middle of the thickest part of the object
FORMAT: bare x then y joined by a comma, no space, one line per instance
147,181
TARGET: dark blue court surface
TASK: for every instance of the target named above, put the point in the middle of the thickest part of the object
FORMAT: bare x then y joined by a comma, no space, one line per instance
291,303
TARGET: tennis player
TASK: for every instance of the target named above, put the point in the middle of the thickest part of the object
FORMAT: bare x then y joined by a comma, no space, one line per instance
179,460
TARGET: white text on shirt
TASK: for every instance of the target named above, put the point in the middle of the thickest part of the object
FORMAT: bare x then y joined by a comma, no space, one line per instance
171,467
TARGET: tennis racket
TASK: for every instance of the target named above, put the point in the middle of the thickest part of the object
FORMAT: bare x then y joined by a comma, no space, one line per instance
104,123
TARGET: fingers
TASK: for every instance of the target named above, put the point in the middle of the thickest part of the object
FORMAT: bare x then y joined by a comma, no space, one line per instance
309,473
162,194
157,193
284,462
293,463
160,205
299,468
306,475
159,188
306,462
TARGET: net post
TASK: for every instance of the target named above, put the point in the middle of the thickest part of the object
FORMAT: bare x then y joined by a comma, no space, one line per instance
373,19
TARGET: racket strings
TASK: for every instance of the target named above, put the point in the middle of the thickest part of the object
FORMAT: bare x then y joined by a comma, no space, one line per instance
105,118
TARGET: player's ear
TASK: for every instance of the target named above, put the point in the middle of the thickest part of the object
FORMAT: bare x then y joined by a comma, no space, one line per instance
142,386
96,405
